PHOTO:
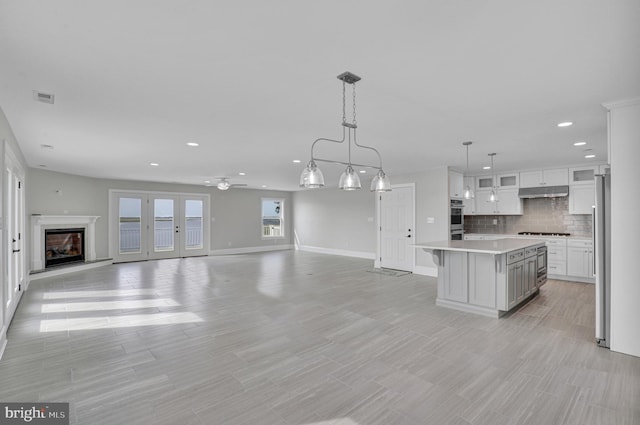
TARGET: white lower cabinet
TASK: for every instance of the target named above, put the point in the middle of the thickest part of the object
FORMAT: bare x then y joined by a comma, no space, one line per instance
515,283
530,271
556,257
456,277
482,280
580,258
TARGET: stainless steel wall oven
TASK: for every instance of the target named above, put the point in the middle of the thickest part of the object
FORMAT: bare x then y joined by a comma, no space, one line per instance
456,220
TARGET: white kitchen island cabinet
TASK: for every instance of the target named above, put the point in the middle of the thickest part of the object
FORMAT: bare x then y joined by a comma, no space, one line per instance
487,277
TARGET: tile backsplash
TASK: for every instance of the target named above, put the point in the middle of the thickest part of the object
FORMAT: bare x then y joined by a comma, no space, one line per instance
539,215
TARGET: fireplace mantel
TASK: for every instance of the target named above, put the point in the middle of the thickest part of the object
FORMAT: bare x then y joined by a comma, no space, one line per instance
41,222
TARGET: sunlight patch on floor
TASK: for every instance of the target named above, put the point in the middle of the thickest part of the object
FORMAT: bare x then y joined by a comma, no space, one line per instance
107,305
97,294
112,322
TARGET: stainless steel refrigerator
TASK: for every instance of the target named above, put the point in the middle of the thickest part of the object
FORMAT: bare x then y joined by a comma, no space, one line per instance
602,257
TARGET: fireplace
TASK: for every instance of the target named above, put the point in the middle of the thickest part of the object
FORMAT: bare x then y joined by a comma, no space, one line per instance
41,223
62,246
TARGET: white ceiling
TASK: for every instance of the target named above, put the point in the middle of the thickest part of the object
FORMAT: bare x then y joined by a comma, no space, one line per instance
254,83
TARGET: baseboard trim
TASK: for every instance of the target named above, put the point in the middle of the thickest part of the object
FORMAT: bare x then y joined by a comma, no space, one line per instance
341,252
426,271
3,340
251,249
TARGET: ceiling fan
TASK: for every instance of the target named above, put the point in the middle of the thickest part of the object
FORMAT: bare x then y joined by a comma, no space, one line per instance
224,184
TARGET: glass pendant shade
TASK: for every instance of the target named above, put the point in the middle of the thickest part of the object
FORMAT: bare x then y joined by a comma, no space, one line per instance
380,183
311,176
492,196
468,193
349,179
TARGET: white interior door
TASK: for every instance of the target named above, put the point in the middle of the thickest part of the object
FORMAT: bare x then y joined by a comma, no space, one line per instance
158,225
397,228
15,219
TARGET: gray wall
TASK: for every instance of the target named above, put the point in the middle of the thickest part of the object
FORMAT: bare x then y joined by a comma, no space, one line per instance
235,213
624,127
336,220
432,201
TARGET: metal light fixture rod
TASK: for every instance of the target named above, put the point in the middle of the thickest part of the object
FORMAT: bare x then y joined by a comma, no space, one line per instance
312,177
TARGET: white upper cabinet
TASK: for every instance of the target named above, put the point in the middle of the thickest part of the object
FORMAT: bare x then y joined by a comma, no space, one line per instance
546,177
508,181
582,198
485,182
508,203
456,184
582,175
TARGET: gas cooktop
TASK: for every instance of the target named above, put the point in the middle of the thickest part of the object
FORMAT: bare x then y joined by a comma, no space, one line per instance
544,233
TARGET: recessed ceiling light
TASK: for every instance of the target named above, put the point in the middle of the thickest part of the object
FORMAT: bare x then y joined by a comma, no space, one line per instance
565,124
207,181
486,167
363,171
264,185
242,174
579,143
296,161
154,164
589,156
193,144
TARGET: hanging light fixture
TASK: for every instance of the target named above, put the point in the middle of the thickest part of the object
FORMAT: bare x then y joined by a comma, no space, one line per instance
468,193
312,177
493,197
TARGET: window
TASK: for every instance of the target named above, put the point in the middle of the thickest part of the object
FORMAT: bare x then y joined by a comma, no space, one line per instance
272,218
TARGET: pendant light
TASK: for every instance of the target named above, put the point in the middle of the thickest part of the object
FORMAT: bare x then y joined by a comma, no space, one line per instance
313,178
468,193
493,197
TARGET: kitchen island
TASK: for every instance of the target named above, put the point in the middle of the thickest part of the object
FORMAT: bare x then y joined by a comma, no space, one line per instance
488,277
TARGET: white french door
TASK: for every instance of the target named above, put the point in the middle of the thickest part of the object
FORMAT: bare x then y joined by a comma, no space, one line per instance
397,228
155,225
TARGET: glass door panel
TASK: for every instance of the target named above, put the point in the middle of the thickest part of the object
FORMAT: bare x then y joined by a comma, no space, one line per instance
163,225
156,225
193,224
195,233
130,226
128,219
164,216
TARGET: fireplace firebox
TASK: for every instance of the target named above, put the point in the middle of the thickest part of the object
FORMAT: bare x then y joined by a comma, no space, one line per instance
62,246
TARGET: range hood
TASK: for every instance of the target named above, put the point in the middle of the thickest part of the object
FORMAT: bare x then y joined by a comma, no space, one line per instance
543,192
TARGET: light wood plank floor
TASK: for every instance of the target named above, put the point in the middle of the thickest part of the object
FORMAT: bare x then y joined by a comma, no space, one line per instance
299,338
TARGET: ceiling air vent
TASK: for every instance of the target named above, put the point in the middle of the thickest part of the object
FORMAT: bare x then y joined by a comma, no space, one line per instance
43,97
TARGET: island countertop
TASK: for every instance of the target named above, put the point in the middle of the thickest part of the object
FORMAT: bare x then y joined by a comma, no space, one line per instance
495,247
